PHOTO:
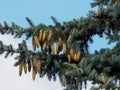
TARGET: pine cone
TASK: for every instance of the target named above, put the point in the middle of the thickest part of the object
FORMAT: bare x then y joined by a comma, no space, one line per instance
63,80
44,46
75,57
72,53
44,36
78,55
33,74
60,41
25,67
69,39
49,35
35,38
39,66
103,79
40,35
20,69
69,58
65,48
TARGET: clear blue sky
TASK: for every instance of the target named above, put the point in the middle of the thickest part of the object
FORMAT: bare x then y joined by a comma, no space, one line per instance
39,11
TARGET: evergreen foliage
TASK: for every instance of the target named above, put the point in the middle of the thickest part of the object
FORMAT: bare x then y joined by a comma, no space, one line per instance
63,48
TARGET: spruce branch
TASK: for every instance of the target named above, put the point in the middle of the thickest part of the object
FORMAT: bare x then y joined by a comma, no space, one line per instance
30,22
65,48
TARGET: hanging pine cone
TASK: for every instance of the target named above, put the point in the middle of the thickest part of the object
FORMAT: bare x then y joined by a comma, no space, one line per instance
78,55
69,58
25,67
69,38
65,48
63,80
44,36
103,79
72,53
60,41
20,68
75,57
40,35
39,66
33,74
36,41
44,46
49,35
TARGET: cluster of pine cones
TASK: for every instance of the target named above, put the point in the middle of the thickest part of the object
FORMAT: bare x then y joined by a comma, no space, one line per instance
43,40
27,66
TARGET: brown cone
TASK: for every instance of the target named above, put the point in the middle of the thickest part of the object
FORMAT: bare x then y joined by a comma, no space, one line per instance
69,58
49,35
63,80
20,69
72,53
40,35
103,79
39,66
25,67
69,39
33,74
44,36
65,48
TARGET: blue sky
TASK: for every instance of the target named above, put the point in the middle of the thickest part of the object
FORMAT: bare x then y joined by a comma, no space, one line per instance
39,11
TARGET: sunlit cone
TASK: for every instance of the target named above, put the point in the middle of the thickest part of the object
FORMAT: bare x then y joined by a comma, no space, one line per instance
49,35
20,69
75,57
40,35
29,66
63,80
34,63
33,44
36,40
57,47
78,55
44,36
103,79
60,41
25,67
44,46
69,39
52,49
72,53
65,48
39,66
69,58
33,74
